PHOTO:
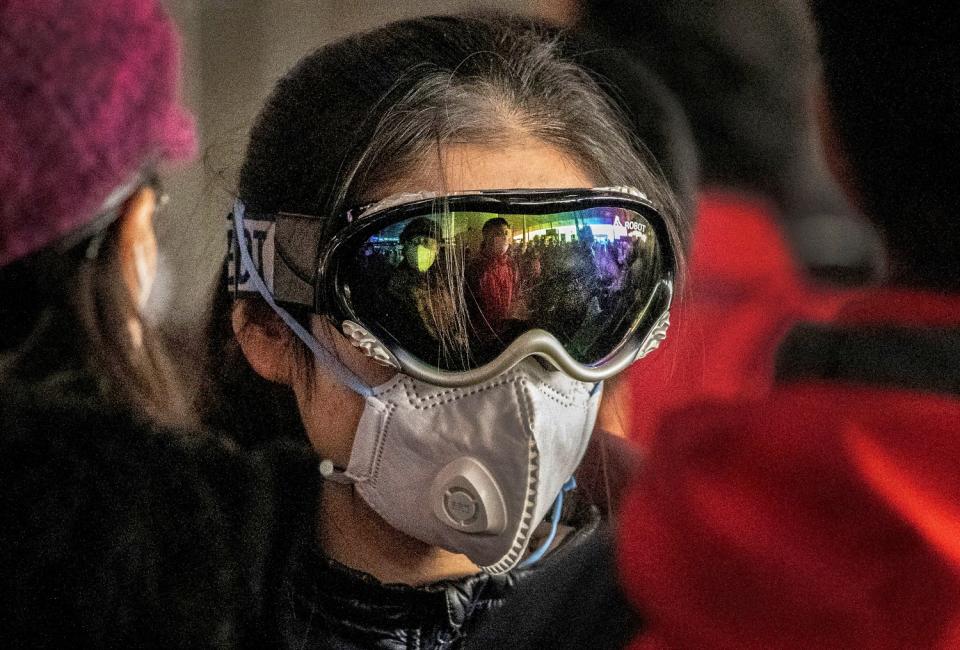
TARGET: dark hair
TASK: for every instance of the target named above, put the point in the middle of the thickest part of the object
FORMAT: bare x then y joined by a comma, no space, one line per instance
361,113
421,226
65,318
490,224
744,72
894,91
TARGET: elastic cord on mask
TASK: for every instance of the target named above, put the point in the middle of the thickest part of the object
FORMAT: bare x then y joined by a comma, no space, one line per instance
554,524
330,472
346,377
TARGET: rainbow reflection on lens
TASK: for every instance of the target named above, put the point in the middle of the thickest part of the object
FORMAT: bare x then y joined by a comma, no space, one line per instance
584,276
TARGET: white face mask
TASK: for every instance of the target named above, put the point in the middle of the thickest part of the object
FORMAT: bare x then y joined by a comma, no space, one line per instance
473,470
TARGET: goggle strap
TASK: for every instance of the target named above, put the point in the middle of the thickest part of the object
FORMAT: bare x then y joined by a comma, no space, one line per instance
259,235
344,375
270,238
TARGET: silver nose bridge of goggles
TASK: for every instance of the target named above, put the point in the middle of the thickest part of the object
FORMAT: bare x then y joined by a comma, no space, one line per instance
536,342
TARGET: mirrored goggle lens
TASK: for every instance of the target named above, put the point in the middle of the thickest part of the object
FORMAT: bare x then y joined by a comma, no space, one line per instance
456,289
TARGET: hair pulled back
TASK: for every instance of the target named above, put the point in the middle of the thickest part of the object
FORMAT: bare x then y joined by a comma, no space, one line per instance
360,114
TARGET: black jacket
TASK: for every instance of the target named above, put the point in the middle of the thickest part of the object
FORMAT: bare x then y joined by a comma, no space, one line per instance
117,533
324,604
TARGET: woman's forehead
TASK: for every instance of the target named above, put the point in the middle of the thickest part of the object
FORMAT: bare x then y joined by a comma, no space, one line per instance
526,164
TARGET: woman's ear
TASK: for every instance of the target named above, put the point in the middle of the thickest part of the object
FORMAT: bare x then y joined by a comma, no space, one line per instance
265,343
138,244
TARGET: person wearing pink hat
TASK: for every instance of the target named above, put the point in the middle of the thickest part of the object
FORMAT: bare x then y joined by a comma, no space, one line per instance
122,527
88,106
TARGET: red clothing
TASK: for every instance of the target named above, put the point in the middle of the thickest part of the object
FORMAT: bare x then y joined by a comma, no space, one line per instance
743,294
494,280
822,515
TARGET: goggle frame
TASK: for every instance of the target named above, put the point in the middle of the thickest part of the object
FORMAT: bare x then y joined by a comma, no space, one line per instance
642,337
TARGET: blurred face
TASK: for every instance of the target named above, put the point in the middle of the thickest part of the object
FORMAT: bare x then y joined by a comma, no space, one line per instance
496,239
138,244
420,252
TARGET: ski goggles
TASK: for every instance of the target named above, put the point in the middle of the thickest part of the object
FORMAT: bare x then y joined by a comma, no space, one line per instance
456,289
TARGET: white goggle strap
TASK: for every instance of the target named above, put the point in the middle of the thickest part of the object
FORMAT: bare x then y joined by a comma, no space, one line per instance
346,376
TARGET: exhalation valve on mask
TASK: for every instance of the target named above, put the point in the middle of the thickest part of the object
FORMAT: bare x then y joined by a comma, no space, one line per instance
465,496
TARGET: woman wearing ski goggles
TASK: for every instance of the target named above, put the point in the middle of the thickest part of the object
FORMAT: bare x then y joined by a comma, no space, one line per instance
412,286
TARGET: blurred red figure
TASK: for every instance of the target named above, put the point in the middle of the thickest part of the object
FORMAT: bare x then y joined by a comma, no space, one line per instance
768,215
828,510
827,513
744,293
493,277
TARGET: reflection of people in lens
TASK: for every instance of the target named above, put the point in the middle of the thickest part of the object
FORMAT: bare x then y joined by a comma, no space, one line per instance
492,276
419,243
416,295
586,269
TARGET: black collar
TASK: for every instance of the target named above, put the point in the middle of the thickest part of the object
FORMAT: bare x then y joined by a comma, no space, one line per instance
329,601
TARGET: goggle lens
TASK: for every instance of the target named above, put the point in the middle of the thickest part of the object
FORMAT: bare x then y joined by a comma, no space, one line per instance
455,289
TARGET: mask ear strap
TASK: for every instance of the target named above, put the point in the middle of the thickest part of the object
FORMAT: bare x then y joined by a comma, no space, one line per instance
346,376
535,556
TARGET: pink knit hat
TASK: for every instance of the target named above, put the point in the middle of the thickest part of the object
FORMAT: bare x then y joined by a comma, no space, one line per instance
88,95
